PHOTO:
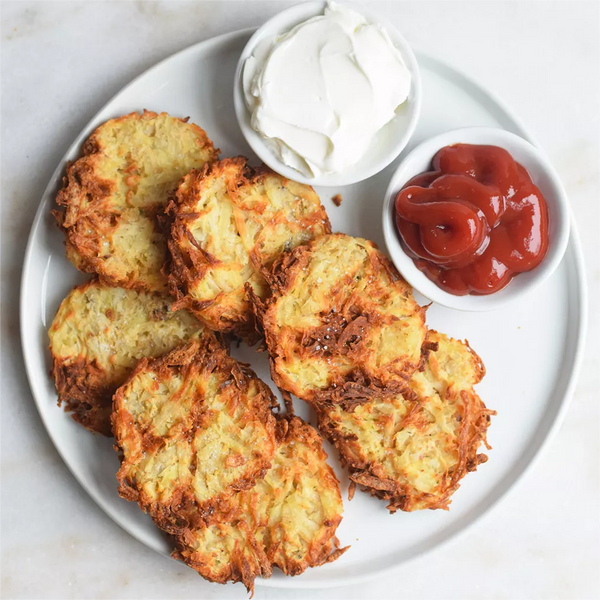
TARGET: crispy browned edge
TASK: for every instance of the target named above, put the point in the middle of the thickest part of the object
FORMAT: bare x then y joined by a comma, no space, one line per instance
184,268
80,179
361,385
183,510
476,421
239,569
324,550
80,388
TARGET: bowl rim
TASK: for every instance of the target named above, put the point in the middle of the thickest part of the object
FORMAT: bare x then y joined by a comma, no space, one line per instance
526,282
353,174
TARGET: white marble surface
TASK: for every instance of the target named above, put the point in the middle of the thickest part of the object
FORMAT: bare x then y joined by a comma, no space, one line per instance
61,61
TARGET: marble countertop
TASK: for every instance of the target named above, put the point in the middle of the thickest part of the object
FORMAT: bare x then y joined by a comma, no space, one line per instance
61,61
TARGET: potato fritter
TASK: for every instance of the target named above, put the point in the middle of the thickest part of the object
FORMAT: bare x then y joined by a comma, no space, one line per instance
194,426
229,220
98,335
113,194
288,519
340,324
413,449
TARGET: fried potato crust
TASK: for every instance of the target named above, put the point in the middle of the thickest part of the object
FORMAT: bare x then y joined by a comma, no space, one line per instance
96,338
229,221
194,426
341,325
112,196
288,519
413,449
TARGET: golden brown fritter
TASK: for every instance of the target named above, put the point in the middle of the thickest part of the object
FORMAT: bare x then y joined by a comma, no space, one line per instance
413,449
340,324
229,220
194,426
98,335
114,193
288,519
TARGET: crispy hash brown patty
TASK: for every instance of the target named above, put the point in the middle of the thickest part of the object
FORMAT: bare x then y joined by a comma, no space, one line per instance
194,426
414,449
229,221
340,324
288,519
113,194
98,335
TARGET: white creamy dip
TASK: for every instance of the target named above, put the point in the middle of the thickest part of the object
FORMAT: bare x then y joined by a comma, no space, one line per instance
319,93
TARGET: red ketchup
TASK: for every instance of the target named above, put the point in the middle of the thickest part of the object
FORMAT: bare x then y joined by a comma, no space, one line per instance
474,221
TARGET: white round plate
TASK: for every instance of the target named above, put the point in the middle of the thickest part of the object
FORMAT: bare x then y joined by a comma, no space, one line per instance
532,349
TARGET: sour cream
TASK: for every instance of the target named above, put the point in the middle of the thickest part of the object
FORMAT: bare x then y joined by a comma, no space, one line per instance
319,94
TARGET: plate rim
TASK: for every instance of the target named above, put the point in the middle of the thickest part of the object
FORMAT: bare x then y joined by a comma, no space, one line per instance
574,246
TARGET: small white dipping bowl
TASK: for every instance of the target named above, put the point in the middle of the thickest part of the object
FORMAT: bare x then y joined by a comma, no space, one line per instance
389,141
542,174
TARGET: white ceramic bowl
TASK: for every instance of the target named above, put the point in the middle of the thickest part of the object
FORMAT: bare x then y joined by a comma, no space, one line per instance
389,141
542,174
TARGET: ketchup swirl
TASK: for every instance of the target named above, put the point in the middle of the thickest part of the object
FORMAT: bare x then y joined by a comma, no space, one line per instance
474,221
